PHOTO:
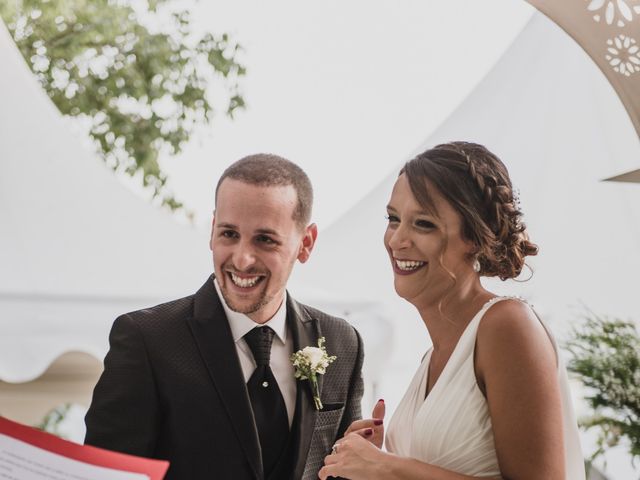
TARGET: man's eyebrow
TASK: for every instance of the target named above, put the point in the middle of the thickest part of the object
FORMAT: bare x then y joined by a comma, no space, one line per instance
261,231
227,225
266,231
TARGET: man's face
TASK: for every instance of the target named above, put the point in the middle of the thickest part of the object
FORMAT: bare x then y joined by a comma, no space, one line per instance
255,243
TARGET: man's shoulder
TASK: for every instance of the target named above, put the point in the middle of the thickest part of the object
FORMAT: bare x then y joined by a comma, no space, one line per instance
324,318
180,308
331,325
163,312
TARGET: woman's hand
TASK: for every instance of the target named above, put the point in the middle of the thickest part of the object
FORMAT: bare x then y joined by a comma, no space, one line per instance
355,458
371,428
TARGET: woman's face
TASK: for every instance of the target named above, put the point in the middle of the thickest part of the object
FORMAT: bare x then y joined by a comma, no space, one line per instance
425,248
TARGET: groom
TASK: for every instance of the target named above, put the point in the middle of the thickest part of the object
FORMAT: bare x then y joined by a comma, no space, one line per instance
206,381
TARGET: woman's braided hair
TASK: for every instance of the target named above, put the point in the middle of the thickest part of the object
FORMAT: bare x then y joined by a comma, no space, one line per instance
476,183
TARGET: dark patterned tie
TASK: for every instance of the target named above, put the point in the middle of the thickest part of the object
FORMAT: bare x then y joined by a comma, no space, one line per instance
268,405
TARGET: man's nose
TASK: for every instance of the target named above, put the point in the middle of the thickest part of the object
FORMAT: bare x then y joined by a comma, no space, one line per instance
244,257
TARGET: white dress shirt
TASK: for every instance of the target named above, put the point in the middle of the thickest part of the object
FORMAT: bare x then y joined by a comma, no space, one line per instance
281,349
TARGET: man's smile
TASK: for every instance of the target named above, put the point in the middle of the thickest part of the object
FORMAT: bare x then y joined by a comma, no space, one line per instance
245,281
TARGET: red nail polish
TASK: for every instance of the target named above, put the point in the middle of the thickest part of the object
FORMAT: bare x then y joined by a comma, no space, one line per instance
368,432
377,421
381,400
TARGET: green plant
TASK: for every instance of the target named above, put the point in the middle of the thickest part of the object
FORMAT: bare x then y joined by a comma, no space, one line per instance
606,358
51,421
132,72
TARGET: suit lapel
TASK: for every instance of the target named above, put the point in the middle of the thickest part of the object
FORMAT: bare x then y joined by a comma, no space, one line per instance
305,332
214,340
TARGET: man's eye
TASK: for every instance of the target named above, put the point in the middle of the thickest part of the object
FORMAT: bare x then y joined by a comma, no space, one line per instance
229,234
265,239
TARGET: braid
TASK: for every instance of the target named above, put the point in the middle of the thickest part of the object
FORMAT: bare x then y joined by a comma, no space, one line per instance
494,220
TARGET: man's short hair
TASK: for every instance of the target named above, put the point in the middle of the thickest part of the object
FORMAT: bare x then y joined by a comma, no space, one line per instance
267,170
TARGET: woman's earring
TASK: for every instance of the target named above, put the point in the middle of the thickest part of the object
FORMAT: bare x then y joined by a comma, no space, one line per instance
476,265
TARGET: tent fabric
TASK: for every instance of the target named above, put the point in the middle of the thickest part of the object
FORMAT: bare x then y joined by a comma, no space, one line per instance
609,31
76,247
632,177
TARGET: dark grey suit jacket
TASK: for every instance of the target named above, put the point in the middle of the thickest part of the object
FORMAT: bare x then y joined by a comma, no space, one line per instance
173,389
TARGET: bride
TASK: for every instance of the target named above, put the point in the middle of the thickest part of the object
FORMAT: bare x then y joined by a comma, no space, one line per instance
490,398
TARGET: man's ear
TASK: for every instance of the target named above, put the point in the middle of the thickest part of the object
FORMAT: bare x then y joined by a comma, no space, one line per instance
213,224
308,241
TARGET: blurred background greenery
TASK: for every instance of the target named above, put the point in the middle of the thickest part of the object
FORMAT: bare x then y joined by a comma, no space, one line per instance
133,73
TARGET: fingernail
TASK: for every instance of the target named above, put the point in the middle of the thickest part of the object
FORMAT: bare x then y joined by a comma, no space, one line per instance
381,400
368,431
377,421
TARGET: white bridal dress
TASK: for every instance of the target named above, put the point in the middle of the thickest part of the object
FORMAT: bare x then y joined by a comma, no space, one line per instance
451,427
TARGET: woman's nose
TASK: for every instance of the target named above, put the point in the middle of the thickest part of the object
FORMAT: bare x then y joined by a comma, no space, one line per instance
398,238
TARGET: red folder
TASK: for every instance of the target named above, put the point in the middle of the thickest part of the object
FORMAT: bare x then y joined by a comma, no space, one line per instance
155,469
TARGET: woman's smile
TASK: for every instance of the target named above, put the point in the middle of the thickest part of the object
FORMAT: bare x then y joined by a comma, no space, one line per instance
406,267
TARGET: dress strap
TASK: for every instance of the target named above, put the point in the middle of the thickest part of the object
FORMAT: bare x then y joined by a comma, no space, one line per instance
500,298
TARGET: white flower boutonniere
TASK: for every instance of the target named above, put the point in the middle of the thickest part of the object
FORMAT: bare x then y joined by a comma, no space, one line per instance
311,362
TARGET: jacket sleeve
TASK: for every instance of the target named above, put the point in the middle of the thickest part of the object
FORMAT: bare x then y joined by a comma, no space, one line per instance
124,412
353,410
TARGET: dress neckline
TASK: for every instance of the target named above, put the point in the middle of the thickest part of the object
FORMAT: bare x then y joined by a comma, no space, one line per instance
480,313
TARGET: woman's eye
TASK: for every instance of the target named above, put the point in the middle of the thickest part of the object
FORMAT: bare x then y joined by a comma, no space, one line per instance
392,218
425,224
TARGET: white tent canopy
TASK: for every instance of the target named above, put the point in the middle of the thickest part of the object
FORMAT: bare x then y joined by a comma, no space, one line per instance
76,247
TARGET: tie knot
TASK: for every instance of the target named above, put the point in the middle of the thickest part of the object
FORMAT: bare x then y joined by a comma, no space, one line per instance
259,340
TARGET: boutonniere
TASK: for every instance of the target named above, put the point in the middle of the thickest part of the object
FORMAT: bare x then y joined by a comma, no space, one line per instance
311,362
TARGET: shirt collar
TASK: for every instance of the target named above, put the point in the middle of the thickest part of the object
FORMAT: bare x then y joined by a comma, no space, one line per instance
241,324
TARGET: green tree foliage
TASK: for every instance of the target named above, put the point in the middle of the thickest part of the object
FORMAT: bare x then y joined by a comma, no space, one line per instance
606,358
134,74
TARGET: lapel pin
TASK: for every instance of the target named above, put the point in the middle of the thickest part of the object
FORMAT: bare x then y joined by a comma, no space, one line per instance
311,362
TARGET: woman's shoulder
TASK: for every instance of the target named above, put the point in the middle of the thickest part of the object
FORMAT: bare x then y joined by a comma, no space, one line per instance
507,314
510,328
